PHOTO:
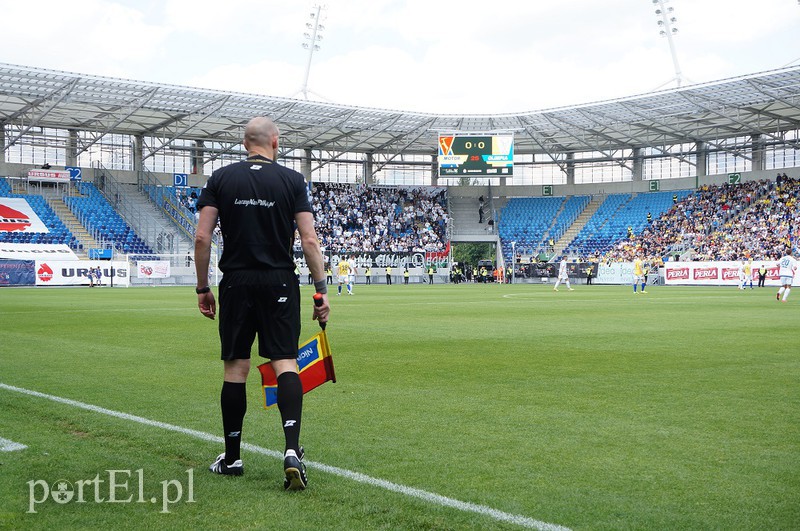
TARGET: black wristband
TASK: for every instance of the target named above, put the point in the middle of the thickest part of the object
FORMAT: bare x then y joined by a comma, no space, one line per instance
321,286
200,291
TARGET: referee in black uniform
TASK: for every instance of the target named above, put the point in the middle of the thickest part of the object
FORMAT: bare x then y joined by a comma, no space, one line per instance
259,204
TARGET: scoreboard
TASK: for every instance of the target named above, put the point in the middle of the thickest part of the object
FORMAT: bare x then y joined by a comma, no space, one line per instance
478,155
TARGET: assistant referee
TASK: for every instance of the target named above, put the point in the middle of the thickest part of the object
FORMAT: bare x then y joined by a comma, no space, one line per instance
259,204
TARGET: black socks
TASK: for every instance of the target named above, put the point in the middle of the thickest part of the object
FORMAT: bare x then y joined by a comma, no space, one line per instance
290,404
234,405
233,402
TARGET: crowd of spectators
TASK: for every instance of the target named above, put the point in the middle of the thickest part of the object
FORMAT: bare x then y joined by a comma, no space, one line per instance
355,218
188,200
752,220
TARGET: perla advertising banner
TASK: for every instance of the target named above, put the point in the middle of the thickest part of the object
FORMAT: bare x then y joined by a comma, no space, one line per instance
62,273
721,273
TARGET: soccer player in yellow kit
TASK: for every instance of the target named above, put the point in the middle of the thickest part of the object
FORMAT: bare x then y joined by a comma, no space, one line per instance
748,274
638,272
343,270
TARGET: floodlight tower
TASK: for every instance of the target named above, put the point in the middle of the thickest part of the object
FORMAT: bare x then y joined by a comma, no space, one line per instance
666,21
312,38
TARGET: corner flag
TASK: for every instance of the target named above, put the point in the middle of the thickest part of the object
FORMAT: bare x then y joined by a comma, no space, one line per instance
314,364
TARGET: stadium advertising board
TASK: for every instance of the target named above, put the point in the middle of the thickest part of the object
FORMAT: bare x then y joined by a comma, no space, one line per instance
615,273
379,260
152,269
476,155
718,273
16,273
58,273
36,251
16,215
49,176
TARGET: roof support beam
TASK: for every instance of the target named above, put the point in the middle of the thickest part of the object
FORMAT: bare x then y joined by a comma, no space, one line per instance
608,154
212,107
391,120
423,130
58,95
342,153
135,105
749,128
532,134
681,135
635,141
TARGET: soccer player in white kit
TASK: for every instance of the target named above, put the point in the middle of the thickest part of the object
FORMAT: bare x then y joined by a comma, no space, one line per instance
742,275
787,267
351,277
562,275
638,273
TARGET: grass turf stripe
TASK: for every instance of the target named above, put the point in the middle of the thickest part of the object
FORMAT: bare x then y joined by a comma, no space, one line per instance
430,497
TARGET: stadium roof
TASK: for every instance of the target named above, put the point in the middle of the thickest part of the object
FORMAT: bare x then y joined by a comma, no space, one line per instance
764,103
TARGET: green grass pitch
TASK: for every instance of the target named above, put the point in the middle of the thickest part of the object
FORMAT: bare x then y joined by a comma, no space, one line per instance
589,409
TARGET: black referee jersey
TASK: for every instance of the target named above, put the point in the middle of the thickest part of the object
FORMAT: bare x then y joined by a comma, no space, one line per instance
257,200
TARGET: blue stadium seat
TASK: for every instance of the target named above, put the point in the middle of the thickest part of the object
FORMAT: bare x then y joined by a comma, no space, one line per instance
97,215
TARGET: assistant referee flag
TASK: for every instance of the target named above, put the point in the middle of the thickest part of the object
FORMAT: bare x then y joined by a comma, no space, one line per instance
314,364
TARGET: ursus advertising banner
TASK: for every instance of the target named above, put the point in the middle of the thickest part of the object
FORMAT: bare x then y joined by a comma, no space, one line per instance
58,273
36,251
16,215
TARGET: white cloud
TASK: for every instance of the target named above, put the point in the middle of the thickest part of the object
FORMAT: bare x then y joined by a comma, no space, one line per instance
88,36
451,56
265,78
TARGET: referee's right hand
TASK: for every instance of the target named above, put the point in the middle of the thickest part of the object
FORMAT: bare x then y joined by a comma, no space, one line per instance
207,304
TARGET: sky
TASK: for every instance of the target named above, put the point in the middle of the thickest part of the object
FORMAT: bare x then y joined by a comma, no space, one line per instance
432,56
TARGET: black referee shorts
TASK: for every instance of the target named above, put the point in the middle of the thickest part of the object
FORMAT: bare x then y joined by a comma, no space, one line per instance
263,303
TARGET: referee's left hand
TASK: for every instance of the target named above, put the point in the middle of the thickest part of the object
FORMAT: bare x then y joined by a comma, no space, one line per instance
207,304
321,312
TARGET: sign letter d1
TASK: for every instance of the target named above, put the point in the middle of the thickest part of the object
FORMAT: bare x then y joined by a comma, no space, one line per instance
180,179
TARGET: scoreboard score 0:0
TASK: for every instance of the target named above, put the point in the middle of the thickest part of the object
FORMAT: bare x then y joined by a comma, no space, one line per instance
478,155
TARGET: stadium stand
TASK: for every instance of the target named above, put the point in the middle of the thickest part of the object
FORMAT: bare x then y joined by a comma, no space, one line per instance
58,232
376,218
186,196
752,220
592,238
526,220
531,221
97,215
572,207
171,201
726,222
619,216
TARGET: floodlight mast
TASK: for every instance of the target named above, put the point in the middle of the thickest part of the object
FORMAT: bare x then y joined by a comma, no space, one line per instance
313,38
666,21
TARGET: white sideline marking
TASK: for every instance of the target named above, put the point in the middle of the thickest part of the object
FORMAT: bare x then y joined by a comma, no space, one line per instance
10,446
436,499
